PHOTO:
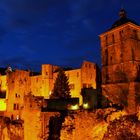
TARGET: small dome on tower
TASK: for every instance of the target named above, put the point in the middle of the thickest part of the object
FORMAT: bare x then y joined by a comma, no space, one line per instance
123,19
122,13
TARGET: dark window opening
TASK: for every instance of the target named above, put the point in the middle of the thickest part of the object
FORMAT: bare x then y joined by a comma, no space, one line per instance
2,94
111,59
84,85
135,34
106,39
113,40
16,106
77,74
89,65
106,57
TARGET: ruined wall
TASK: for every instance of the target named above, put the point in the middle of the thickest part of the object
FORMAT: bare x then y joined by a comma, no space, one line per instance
32,117
46,116
83,126
11,130
104,124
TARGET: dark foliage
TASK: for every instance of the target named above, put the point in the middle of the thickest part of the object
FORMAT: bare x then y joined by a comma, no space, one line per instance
61,86
55,125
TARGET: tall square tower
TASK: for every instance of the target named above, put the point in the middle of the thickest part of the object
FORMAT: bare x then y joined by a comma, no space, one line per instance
120,51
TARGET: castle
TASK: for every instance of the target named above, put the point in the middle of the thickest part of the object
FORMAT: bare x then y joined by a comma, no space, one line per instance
16,84
22,92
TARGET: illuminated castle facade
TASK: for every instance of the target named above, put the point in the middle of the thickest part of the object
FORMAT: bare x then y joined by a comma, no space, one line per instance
120,51
16,84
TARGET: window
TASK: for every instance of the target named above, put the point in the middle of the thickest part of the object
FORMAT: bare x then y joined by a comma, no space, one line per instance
121,55
133,55
113,40
135,34
91,76
121,34
20,81
106,40
16,106
111,59
36,79
89,85
106,57
89,65
16,95
107,77
84,85
77,74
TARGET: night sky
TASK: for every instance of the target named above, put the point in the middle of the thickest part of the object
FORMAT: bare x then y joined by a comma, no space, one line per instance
59,32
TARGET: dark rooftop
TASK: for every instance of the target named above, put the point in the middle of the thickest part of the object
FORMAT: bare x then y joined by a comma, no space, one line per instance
123,19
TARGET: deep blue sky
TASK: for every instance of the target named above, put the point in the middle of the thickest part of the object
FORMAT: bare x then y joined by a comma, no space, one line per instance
60,32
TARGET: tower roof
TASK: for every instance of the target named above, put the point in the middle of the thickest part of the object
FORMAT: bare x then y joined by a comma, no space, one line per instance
123,19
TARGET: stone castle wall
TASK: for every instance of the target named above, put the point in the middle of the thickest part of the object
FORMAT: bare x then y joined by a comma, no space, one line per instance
19,83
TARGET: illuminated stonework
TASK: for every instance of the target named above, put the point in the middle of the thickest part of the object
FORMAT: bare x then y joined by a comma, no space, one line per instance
19,83
121,64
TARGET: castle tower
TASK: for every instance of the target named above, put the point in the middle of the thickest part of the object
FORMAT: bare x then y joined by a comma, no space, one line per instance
47,79
120,50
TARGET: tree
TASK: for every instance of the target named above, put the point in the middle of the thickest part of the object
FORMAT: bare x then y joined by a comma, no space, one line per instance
61,86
